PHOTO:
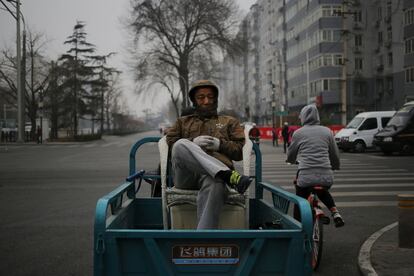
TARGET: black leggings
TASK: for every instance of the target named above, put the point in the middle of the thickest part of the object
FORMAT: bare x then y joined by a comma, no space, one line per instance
323,194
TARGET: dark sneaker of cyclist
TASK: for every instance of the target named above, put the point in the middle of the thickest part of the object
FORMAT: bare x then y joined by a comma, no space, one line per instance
314,147
337,218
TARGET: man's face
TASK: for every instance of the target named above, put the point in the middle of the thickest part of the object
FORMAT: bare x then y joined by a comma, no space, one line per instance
205,97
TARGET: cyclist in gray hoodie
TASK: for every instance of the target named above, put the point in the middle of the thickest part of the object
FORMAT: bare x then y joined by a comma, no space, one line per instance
314,148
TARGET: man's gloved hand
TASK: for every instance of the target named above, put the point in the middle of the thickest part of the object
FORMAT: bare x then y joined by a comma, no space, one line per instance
214,144
202,140
207,142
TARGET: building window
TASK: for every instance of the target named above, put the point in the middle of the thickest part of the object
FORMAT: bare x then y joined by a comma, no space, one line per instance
380,39
390,85
338,60
409,16
390,61
379,13
358,40
409,45
358,16
358,64
389,8
380,86
325,84
327,60
409,75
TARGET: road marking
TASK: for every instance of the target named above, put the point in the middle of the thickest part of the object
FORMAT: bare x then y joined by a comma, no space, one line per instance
339,186
345,174
109,144
90,145
364,256
371,193
367,204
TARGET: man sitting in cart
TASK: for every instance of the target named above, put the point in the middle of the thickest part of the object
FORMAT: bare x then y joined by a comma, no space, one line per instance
203,147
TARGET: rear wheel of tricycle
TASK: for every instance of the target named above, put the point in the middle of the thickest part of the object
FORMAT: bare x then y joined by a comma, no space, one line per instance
317,242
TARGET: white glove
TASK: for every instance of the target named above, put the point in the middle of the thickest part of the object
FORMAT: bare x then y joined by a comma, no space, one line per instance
214,144
207,142
202,140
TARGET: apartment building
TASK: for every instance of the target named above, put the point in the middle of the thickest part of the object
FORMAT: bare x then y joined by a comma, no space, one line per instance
345,56
408,50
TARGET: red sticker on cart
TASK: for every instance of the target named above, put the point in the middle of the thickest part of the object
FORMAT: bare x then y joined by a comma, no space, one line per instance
205,254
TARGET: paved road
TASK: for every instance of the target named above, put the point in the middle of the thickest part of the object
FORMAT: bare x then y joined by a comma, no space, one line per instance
48,195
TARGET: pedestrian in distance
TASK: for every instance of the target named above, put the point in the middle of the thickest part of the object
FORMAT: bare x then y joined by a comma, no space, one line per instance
274,137
286,135
313,147
39,135
203,147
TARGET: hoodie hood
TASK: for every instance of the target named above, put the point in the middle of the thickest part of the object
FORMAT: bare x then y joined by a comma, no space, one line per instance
309,115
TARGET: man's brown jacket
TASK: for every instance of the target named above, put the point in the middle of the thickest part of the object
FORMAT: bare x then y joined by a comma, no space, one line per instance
225,128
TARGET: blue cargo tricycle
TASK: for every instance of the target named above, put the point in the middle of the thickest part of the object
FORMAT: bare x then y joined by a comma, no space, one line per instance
136,235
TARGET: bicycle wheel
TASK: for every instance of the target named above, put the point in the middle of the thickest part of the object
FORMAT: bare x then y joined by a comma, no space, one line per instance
317,242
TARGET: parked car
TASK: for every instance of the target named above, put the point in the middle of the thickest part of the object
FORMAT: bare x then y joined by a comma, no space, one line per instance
359,133
398,135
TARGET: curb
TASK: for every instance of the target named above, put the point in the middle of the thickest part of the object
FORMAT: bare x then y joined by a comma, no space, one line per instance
364,256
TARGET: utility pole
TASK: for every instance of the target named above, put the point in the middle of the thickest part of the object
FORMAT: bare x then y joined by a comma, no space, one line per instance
20,96
343,14
41,115
102,101
344,84
273,86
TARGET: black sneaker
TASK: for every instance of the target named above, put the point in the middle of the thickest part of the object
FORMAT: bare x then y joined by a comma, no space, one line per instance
239,182
338,220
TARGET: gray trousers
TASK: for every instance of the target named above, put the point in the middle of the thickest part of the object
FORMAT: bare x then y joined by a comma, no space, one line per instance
193,169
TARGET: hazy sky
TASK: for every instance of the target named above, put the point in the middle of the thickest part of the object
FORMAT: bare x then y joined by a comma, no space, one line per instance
56,18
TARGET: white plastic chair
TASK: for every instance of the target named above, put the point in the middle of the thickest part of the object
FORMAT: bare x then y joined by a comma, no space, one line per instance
180,207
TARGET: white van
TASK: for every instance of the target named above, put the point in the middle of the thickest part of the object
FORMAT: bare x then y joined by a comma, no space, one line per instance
359,133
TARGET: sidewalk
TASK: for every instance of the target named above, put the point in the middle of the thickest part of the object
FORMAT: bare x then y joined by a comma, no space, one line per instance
384,257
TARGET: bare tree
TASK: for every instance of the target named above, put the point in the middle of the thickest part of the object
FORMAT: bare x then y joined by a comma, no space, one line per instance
171,32
35,77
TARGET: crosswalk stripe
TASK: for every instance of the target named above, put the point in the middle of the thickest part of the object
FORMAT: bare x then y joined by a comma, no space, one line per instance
341,186
345,173
370,193
366,204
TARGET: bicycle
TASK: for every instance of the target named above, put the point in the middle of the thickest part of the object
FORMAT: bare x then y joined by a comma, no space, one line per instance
319,219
